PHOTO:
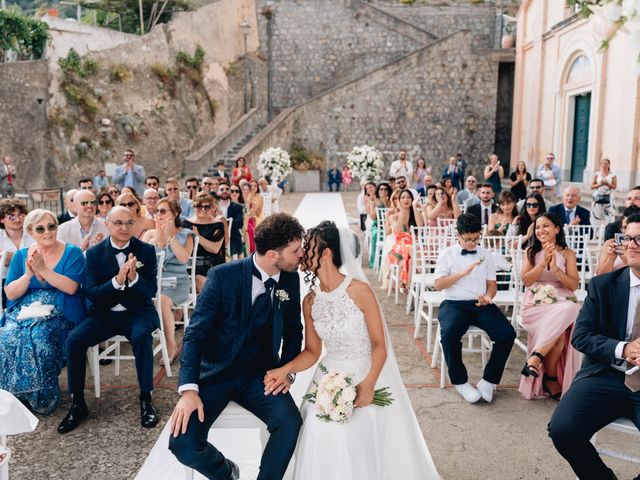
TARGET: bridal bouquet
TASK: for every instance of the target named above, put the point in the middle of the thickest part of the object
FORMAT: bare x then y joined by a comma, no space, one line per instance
547,294
275,162
335,394
365,162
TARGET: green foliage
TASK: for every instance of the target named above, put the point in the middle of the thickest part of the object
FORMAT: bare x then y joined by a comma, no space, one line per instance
408,2
74,65
120,72
24,35
167,76
130,14
75,85
184,61
584,6
302,159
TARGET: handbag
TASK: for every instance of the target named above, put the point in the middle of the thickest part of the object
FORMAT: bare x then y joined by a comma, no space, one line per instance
550,182
602,199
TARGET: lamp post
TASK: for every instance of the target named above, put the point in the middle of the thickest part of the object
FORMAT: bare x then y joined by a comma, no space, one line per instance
245,28
268,12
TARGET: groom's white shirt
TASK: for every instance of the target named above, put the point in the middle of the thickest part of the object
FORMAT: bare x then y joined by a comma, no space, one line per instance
257,287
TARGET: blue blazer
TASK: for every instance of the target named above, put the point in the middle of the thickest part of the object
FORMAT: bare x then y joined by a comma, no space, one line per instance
602,321
220,322
102,266
559,211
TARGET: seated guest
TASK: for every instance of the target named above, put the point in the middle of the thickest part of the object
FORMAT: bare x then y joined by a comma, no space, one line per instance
334,177
70,210
552,362
142,224
249,221
535,186
120,284
613,256
569,212
206,185
468,195
192,186
172,189
150,199
445,207
100,181
483,209
85,184
256,203
85,230
234,211
220,173
105,204
380,199
503,217
12,234
274,190
607,332
240,172
401,222
633,198
466,274
114,192
151,181
523,223
210,226
31,349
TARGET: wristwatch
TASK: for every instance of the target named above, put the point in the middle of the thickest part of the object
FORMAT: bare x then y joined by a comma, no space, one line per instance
291,377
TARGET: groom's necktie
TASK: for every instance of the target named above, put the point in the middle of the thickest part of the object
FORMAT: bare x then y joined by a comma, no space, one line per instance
633,381
269,284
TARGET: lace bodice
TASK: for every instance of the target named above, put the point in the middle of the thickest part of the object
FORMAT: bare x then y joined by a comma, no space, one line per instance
341,324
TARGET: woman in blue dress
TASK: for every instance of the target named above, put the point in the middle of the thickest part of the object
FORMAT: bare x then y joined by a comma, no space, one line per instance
177,244
494,173
31,339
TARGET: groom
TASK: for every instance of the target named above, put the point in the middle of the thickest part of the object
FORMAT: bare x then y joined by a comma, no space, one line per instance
246,311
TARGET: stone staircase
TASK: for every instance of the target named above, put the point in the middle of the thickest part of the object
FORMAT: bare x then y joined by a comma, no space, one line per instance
229,157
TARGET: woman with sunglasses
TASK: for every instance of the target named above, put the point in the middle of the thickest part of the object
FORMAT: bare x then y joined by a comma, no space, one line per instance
211,227
143,224
50,272
549,318
105,204
177,244
523,224
239,245
240,172
12,235
113,191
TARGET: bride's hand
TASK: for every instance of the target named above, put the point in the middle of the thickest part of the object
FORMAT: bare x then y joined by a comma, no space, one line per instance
364,394
276,381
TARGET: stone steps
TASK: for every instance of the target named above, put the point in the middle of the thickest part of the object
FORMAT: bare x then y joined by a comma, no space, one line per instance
229,157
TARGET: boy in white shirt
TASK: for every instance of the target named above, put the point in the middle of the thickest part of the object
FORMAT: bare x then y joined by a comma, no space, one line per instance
466,274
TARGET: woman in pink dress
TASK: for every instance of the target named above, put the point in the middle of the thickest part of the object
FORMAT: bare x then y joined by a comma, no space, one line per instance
552,361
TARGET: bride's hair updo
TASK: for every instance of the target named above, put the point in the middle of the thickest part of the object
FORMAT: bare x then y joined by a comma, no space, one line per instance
325,235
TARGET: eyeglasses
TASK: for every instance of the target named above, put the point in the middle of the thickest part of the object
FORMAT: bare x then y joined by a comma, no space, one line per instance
120,223
208,183
192,187
113,192
172,189
128,155
105,202
84,203
532,205
152,184
40,229
128,204
234,191
161,211
13,218
469,240
202,207
223,189
86,187
627,240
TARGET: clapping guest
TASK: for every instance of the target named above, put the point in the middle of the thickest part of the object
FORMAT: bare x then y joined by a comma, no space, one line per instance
150,199
523,224
240,172
449,186
444,208
142,224
129,174
452,171
503,217
85,230
114,192
70,208
401,222
520,179
613,255
50,272
210,226
12,234
569,211
494,173
105,204
177,243
549,319
603,184
419,176
380,199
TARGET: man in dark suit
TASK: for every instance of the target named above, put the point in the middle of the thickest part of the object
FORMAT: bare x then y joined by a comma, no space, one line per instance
121,283
69,211
569,212
486,207
246,310
235,212
220,173
607,332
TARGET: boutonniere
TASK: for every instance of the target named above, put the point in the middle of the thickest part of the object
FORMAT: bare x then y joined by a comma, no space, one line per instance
139,264
282,295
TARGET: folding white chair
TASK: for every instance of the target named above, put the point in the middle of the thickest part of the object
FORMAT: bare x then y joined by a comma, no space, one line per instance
381,236
267,208
426,243
446,222
623,425
190,303
113,351
591,248
580,245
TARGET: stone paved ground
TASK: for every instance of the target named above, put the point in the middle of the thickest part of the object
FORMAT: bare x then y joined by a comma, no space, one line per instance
504,440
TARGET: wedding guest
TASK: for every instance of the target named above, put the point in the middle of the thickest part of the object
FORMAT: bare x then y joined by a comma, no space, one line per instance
50,272
401,222
176,242
402,184
428,179
192,186
603,184
240,172
232,208
550,174
12,234
606,333
256,203
536,185
70,209
452,171
445,208
172,190
549,319
85,184
210,226
100,181
129,174
334,177
273,190
85,230
485,208
523,223
7,178
120,284
150,198
152,182
402,166
447,184
361,206
569,212
520,179
419,176
220,173
105,204
430,195
142,224
114,192
392,183
461,163
207,185
468,196
380,199
613,255
503,217
632,198
494,173
346,177
466,274
250,223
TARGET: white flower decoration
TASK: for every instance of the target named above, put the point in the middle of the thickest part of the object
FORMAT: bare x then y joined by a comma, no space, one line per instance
139,264
282,295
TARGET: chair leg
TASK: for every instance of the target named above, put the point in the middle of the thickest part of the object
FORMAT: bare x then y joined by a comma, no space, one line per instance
417,318
165,354
96,370
188,473
442,369
117,361
436,347
430,327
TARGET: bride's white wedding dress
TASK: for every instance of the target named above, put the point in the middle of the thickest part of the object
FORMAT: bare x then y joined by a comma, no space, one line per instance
377,443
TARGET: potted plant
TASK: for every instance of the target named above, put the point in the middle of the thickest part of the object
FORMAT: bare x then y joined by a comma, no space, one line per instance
306,169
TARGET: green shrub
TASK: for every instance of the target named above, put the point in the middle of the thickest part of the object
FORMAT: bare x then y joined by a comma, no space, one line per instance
119,72
24,35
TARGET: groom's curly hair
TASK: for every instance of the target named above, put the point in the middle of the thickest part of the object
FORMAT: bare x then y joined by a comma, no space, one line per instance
325,235
276,232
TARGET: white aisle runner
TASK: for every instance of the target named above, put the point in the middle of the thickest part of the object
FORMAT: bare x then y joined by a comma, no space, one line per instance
243,445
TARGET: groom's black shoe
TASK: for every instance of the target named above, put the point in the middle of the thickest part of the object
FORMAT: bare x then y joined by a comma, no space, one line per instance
77,413
149,417
235,471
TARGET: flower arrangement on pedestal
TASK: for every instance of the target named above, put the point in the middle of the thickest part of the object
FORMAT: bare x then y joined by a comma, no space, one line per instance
274,162
365,162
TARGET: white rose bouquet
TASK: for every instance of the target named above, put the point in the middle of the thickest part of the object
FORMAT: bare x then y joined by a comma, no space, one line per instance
335,394
548,294
275,162
365,162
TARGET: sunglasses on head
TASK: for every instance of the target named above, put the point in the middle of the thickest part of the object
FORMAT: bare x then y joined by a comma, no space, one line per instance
105,202
202,207
84,203
40,229
128,204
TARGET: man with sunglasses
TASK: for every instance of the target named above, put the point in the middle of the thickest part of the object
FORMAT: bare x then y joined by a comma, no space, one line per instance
535,186
152,182
120,284
235,212
208,185
85,230
607,332
192,186
172,189
469,194
129,174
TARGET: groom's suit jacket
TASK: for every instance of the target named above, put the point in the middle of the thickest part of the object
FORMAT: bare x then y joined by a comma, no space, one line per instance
602,321
221,321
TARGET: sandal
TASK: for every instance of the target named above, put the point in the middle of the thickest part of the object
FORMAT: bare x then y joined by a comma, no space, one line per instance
531,370
548,378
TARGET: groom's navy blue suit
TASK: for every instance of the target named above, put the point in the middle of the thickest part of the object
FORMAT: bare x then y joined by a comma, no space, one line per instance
231,341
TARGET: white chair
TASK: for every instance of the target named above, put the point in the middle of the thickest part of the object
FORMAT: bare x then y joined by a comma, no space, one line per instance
580,244
381,236
623,425
446,222
426,243
190,303
112,351
267,208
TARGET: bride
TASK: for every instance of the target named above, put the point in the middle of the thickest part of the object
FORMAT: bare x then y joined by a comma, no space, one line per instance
377,443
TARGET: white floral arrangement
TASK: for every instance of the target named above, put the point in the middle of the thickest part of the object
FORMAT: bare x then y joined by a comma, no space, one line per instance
275,162
282,295
548,294
365,162
335,394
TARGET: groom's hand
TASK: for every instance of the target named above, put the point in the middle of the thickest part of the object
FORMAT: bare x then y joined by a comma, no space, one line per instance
189,402
276,381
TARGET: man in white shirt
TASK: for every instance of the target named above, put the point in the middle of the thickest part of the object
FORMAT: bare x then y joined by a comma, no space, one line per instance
557,173
536,185
85,230
468,195
607,332
401,184
274,190
402,166
466,274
